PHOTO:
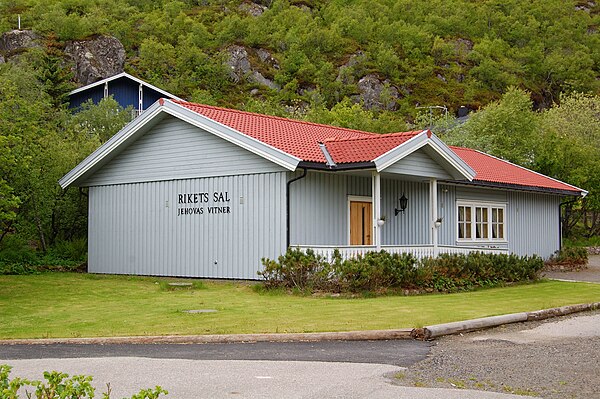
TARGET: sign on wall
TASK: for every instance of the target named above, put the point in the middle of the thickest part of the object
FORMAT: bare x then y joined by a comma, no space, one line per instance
203,203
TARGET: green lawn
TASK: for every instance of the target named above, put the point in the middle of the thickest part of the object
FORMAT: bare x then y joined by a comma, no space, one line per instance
83,305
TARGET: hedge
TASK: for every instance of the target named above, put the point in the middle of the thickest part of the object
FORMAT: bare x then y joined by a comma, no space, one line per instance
376,271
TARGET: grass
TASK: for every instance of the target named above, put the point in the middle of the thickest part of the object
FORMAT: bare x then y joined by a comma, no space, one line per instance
583,242
87,305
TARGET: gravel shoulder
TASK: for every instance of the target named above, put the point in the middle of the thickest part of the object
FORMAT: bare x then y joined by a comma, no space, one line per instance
590,274
557,358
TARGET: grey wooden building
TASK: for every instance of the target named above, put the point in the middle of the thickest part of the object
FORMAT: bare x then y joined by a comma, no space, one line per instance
194,190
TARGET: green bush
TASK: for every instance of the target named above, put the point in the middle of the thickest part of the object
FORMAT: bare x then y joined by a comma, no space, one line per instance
380,271
60,386
569,256
16,257
298,270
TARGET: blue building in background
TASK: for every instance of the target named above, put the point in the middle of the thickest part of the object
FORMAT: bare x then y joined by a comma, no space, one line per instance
127,90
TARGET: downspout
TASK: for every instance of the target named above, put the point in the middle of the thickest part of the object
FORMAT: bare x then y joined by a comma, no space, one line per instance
287,205
560,220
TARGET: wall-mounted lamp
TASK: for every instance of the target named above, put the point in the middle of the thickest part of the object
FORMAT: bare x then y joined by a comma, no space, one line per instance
403,203
438,222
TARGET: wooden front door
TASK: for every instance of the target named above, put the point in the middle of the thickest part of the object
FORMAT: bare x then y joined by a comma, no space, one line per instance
361,223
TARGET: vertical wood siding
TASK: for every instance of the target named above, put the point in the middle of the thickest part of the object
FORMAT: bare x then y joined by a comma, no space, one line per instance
533,226
319,207
419,164
447,210
412,226
480,194
135,229
174,149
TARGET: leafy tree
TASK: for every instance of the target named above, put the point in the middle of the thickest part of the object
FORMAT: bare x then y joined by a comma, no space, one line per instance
505,128
100,121
569,149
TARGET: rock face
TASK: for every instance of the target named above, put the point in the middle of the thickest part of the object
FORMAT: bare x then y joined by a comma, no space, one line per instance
346,72
238,62
376,95
96,59
18,39
2,61
252,8
241,68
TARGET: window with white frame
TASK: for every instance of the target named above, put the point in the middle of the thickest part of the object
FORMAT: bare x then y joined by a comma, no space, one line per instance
481,221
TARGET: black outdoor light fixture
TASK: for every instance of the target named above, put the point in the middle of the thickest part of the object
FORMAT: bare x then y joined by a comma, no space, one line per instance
403,203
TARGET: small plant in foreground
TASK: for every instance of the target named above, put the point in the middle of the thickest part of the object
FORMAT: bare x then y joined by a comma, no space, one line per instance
59,385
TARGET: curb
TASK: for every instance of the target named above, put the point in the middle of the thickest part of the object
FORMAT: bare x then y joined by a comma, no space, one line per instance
438,330
370,335
425,333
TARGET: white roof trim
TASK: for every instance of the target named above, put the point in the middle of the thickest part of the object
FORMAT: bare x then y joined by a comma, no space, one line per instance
126,75
583,192
249,143
420,140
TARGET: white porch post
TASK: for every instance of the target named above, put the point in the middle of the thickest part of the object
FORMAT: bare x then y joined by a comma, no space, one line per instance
433,212
376,200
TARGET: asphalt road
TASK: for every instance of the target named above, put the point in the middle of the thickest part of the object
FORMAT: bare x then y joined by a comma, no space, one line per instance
353,369
402,353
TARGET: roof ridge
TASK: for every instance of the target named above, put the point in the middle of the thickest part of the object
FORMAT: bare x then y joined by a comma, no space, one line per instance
281,118
375,136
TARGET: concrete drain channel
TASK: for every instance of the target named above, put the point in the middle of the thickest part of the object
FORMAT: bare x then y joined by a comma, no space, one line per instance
200,311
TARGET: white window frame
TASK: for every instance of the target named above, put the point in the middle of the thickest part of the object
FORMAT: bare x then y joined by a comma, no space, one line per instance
489,206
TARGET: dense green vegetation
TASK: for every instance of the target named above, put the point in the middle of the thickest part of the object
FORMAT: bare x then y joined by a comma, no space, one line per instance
436,52
41,141
531,70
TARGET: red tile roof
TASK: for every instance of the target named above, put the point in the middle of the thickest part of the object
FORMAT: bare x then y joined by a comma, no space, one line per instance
297,138
492,169
365,149
300,139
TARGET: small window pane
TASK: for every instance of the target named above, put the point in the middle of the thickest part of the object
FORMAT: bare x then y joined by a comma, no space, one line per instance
494,230
500,215
468,230
461,230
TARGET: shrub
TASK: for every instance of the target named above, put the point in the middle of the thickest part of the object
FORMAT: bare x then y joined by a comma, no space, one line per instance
16,257
60,386
568,258
296,269
376,271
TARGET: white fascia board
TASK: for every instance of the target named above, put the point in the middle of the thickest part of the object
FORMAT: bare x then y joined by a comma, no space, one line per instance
258,147
583,192
421,140
125,74
451,157
240,139
397,153
109,146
